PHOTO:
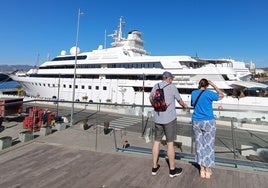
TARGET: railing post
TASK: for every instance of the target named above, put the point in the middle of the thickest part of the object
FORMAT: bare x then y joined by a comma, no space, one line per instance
96,145
142,109
233,137
192,139
115,143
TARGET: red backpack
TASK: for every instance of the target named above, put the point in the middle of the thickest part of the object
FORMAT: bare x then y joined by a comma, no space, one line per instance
159,102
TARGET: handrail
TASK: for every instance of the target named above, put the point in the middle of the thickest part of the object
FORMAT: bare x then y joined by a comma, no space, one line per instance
230,140
191,158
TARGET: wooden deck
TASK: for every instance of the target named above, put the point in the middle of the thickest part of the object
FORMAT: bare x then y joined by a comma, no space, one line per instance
38,165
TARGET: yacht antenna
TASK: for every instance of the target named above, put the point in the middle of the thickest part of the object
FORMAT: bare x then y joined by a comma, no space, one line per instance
37,60
119,33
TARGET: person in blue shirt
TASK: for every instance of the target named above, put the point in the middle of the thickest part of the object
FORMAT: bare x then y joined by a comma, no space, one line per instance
204,125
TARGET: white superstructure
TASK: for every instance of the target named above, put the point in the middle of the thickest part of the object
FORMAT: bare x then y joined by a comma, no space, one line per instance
121,73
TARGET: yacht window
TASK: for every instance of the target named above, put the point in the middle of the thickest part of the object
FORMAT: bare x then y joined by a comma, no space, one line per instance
135,65
76,86
70,86
225,77
97,87
48,85
117,65
89,87
83,87
104,87
64,86
44,85
69,58
39,84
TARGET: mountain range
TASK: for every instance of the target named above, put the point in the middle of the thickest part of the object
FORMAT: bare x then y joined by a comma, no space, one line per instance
12,68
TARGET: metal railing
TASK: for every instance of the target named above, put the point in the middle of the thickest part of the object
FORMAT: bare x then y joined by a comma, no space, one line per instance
240,141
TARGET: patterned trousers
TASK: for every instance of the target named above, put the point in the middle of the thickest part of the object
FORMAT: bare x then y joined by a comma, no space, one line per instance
204,133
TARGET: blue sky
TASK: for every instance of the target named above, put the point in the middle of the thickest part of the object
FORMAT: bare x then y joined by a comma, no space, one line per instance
236,29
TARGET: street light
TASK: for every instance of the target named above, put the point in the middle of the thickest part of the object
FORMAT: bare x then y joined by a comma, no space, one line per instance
75,63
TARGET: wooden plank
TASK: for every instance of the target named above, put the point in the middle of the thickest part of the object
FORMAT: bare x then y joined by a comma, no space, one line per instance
38,165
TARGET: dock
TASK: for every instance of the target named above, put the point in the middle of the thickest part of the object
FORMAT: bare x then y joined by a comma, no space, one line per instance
78,158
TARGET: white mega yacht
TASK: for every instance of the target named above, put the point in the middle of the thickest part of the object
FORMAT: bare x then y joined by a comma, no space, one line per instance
125,73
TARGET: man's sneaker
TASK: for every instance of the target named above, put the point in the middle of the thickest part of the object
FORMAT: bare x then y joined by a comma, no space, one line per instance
175,172
155,170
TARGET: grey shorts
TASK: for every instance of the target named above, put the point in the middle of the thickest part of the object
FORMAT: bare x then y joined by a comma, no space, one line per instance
169,130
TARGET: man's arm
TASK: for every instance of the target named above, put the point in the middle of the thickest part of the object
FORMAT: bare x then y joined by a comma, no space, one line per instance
182,103
151,100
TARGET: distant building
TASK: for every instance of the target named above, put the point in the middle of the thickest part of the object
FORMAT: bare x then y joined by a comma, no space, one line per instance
261,75
260,71
252,67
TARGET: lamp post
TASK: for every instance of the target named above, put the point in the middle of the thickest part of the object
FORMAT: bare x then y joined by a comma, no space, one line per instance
75,64
58,98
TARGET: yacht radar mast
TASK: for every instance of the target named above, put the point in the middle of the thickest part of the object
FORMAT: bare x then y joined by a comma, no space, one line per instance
118,34
120,27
